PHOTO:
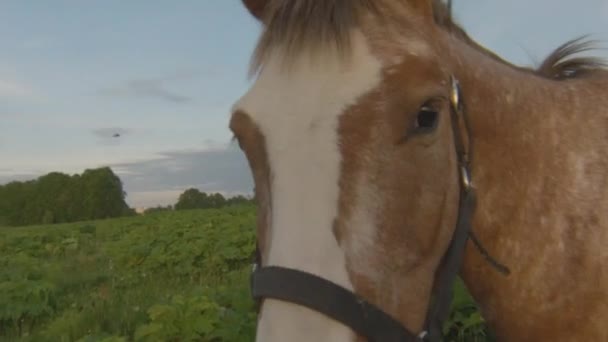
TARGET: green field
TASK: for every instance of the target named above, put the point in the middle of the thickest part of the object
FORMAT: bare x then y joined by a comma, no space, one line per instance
167,276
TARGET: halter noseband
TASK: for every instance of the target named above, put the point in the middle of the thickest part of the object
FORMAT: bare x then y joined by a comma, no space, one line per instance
367,320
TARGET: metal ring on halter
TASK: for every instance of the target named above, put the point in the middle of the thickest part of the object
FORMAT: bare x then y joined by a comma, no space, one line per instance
466,178
455,95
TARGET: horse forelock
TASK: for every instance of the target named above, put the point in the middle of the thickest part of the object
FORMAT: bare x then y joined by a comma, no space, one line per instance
310,27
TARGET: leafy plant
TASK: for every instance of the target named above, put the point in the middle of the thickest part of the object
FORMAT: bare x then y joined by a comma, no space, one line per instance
188,319
465,322
165,276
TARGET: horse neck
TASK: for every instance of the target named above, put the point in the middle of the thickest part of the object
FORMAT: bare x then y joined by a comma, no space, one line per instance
526,133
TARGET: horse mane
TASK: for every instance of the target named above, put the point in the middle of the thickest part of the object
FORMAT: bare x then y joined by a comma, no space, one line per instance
558,65
561,63
300,25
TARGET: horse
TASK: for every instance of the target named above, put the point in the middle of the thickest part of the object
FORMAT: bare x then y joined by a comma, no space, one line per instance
391,152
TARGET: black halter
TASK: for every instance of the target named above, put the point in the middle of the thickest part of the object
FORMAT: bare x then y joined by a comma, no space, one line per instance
367,320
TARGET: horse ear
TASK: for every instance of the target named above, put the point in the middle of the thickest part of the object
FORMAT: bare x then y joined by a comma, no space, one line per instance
256,7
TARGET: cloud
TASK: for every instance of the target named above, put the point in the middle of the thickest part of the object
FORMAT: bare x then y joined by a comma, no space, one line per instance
13,89
7,176
155,88
160,181
148,199
38,42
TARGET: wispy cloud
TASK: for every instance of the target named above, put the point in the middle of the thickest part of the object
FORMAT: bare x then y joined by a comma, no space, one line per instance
9,175
38,42
14,89
223,170
159,181
147,199
155,88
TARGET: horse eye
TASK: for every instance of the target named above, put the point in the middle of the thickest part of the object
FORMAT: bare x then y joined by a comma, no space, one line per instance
426,120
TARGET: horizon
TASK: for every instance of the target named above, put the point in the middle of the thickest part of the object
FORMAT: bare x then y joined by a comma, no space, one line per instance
146,87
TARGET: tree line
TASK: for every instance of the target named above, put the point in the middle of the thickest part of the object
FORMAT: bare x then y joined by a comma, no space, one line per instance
95,194
193,198
59,198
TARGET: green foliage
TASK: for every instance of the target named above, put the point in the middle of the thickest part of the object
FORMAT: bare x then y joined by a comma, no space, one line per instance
465,322
183,318
195,199
158,209
59,198
166,276
117,280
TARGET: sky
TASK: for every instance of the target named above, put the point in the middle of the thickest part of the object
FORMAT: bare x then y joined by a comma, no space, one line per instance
163,75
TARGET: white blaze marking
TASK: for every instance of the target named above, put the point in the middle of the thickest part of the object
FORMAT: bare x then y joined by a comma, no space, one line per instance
298,113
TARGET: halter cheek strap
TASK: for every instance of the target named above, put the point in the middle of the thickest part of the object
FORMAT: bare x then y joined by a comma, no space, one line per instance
367,320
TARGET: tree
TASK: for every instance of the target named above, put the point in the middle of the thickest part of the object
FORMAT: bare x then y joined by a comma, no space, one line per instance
191,199
216,200
52,198
195,199
239,199
157,209
56,197
103,194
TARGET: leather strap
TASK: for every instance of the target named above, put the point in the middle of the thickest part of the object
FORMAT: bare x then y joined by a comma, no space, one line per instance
330,299
449,269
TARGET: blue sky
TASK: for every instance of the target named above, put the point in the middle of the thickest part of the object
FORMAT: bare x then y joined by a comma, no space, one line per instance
164,74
